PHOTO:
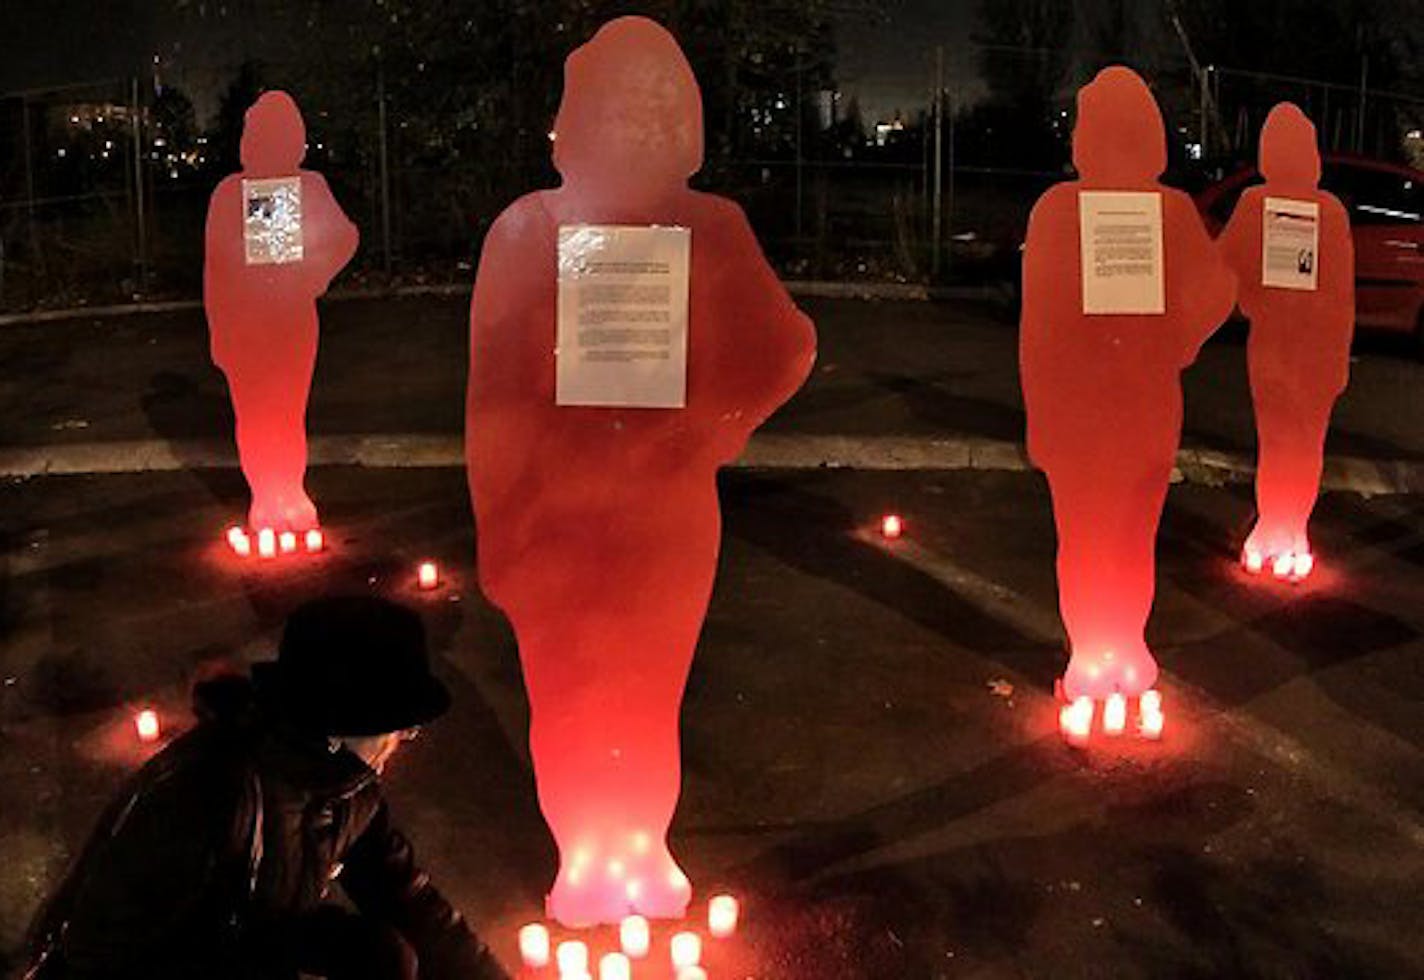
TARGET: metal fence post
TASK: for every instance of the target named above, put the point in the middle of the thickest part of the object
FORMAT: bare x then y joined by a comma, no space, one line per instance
140,208
385,167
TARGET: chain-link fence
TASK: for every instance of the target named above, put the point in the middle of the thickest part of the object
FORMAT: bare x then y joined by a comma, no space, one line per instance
1350,119
104,191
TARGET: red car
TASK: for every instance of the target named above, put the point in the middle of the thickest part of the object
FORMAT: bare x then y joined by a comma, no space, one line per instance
1386,206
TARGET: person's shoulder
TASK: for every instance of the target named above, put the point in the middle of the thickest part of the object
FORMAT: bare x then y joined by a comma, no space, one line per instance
210,760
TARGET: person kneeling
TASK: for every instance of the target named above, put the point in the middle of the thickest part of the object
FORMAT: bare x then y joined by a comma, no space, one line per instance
218,857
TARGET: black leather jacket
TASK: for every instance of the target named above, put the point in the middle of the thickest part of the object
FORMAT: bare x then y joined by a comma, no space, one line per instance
218,846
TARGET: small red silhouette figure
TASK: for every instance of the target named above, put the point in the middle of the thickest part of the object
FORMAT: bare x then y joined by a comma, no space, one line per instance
1297,286
275,238
1103,391
599,527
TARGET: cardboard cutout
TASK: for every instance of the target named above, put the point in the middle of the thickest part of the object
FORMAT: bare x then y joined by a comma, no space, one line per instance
599,527
1102,391
275,238
1289,244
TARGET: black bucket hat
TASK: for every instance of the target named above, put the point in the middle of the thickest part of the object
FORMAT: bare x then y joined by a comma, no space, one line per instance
352,665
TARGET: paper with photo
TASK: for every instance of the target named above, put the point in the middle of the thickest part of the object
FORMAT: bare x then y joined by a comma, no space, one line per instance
272,220
1290,244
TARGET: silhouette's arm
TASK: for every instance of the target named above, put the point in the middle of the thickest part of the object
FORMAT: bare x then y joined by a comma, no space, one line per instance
339,236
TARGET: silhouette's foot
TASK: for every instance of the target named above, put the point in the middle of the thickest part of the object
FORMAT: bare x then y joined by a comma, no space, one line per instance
1128,671
292,511
1285,555
603,885
659,888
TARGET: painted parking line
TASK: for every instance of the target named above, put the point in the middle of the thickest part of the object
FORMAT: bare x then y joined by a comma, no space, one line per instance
768,451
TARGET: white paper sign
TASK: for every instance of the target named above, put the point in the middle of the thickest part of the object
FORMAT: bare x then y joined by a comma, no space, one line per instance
272,220
1120,236
1290,243
623,316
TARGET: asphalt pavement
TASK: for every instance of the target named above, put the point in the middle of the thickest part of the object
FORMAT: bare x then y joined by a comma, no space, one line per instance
872,762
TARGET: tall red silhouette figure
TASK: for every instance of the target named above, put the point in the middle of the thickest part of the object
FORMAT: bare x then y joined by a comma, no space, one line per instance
275,238
1299,348
599,527
1103,391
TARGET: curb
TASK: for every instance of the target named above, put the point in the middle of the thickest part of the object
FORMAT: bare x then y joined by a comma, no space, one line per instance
810,288
772,451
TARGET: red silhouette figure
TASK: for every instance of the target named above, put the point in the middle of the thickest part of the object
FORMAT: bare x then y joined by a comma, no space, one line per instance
275,238
1103,391
1299,350
599,528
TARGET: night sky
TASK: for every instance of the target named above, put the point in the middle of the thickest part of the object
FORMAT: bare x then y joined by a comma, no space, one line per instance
887,63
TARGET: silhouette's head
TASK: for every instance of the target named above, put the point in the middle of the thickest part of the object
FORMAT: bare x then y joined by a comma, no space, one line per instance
274,138
1289,153
631,115
1119,136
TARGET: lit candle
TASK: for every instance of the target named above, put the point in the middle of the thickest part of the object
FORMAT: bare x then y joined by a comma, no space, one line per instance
686,950
237,538
573,959
1282,566
1254,561
266,543
1151,724
1077,721
634,936
315,541
722,916
147,724
615,966
1151,702
288,542
428,575
892,526
692,973
1304,563
1114,714
534,945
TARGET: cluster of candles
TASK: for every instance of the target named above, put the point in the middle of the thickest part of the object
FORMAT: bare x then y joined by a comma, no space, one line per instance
1075,720
635,937
1288,566
270,543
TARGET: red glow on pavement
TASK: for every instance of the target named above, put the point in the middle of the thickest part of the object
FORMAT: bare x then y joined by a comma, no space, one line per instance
146,724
